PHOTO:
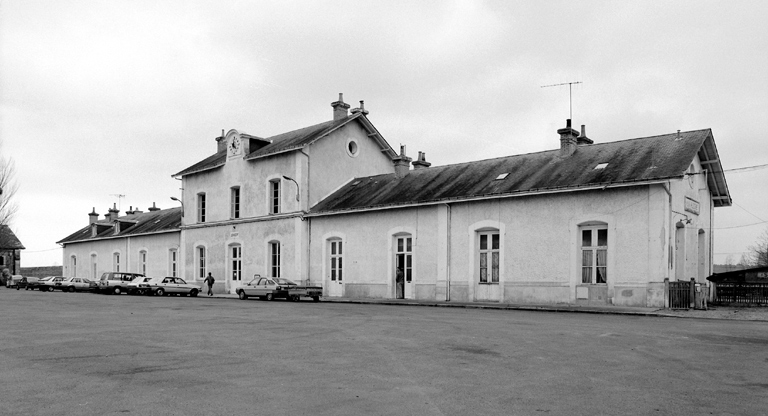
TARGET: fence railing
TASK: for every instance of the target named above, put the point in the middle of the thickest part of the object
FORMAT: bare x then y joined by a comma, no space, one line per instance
741,293
683,294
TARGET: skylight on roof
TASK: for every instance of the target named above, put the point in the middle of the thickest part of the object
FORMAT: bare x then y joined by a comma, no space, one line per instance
502,176
601,166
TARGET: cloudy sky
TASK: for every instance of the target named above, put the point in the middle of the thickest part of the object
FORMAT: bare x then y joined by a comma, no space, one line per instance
106,98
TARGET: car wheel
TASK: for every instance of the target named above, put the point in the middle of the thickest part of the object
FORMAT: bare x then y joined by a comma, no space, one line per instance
269,296
242,295
50,289
316,298
118,290
193,293
72,289
160,292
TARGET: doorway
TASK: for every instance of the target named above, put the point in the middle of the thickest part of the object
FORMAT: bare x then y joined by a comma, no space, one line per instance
404,262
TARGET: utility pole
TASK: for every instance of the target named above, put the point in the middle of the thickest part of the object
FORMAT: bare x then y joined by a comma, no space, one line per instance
570,96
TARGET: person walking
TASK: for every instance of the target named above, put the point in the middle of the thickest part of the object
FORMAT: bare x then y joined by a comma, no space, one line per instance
209,280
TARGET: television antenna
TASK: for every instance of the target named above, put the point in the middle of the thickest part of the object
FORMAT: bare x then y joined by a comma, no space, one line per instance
570,95
119,198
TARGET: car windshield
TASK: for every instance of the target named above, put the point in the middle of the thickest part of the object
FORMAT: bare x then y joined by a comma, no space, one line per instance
46,278
281,281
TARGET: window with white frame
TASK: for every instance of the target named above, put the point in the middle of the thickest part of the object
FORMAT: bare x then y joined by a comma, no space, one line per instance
236,259
488,256
173,262
73,266
143,262
201,262
594,254
201,207
274,197
234,202
116,262
94,266
274,259
404,256
336,260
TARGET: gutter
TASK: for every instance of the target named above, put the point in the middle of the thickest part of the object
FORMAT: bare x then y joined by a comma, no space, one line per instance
492,196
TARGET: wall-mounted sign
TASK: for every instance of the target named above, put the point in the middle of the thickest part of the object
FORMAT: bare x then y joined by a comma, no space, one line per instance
691,206
234,234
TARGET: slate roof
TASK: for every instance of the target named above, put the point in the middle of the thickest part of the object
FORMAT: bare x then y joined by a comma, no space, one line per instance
8,240
151,222
631,161
286,142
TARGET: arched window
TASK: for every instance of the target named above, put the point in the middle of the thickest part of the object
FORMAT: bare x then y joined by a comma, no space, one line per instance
73,266
488,255
274,258
116,262
336,259
143,262
200,252
236,262
173,262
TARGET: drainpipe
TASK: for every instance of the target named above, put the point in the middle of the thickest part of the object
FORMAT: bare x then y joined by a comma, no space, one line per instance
448,256
666,187
309,221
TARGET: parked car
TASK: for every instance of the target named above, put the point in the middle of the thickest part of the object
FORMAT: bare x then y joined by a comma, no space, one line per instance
173,285
72,284
273,288
34,283
25,282
14,281
47,285
116,282
140,286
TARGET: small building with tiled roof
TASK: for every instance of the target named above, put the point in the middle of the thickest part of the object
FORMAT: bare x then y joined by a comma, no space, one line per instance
10,250
586,223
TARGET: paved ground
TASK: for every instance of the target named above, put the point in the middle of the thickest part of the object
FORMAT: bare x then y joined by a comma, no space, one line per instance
63,353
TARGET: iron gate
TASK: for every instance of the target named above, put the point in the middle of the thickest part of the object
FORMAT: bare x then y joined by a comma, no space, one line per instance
681,295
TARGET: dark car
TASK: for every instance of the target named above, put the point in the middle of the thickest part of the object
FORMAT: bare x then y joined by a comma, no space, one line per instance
48,285
25,282
36,284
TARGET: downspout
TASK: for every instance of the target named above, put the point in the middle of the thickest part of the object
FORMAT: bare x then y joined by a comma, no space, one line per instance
309,222
669,227
448,255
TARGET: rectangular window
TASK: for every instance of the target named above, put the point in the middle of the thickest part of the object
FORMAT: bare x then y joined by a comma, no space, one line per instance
594,255
274,195
116,261
237,263
336,260
143,262
489,257
201,262
235,202
274,249
404,257
172,267
201,207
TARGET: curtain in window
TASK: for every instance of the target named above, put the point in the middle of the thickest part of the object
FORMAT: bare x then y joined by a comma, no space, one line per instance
586,263
601,266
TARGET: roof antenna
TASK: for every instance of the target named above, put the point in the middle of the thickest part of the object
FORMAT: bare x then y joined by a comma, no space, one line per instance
119,199
570,96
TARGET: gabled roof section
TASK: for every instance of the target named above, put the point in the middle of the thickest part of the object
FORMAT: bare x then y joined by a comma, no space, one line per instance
8,240
153,222
633,161
294,140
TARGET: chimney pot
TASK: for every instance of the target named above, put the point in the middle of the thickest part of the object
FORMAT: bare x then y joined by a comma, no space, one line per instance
93,216
340,108
421,162
567,139
402,163
153,208
583,139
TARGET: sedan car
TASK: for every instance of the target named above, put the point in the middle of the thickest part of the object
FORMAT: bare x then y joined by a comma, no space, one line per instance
46,284
72,284
140,286
266,288
173,286
34,282
25,282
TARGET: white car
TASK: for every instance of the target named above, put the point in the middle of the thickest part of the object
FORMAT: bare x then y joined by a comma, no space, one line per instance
173,286
72,284
140,286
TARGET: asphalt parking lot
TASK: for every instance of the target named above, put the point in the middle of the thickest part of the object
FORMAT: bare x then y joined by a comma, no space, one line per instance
88,354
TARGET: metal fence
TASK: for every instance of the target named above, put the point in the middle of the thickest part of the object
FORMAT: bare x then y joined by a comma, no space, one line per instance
680,295
741,293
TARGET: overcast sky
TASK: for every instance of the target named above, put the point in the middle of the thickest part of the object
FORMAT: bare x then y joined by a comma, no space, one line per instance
100,98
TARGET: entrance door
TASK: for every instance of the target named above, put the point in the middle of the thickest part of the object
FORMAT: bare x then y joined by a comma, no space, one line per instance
236,261
404,262
335,268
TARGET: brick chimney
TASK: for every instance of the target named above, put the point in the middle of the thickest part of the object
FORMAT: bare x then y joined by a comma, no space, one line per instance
221,143
153,208
113,213
340,108
361,109
567,139
402,163
583,139
420,163
93,216
130,211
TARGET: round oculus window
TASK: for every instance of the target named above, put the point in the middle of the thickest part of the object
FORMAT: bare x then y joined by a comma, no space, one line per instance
352,148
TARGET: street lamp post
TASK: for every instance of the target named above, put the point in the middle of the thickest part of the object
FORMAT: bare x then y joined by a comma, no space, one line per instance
182,204
297,185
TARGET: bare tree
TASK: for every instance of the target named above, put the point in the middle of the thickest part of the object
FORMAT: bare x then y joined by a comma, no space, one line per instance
729,263
8,189
758,252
